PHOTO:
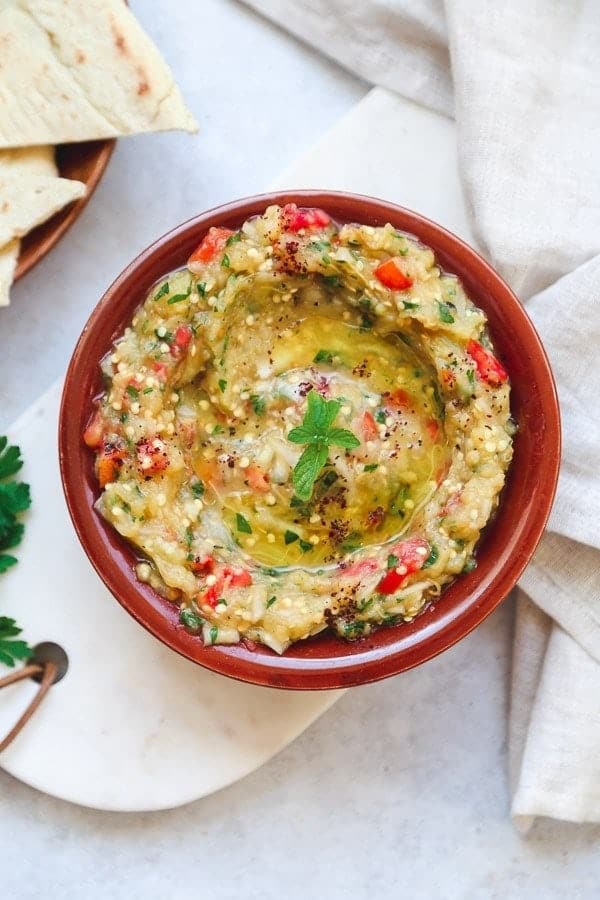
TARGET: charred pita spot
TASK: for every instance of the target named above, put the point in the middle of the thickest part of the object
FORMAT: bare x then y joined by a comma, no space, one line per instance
80,56
143,81
118,38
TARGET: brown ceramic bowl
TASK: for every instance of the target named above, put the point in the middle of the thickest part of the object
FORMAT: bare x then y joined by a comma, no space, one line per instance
84,162
507,545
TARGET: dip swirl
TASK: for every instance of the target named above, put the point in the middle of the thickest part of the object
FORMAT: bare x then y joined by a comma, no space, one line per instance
305,428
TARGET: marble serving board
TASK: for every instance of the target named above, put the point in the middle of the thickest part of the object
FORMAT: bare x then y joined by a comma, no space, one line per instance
133,726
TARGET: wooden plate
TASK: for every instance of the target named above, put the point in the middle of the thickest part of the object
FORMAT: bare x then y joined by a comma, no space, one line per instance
84,162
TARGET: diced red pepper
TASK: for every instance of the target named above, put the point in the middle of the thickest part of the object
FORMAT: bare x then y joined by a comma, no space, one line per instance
106,469
161,370
183,335
359,569
181,340
411,556
203,565
237,577
369,427
227,577
213,243
257,479
488,367
152,456
108,463
308,217
212,594
92,436
399,399
391,274
433,429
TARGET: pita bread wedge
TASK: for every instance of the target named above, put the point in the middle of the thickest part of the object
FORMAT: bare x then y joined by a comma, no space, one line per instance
8,263
28,200
28,161
80,70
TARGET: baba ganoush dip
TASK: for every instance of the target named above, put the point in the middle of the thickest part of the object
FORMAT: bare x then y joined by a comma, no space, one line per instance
305,428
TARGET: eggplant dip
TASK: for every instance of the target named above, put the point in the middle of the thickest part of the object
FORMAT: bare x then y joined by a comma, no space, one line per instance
305,428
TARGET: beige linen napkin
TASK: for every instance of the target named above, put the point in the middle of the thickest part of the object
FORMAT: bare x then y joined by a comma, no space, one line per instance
523,82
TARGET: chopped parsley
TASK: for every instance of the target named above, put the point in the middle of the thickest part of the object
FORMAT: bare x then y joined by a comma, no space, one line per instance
350,546
445,313
177,298
354,629
432,558
331,281
163,290
323,356
11,650
271,601
222,385
191,619
242,524
370,467
258,404
290,536
402,237
198,489
225,262
14,500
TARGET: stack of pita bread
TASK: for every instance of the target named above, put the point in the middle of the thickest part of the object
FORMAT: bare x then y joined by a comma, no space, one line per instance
70,70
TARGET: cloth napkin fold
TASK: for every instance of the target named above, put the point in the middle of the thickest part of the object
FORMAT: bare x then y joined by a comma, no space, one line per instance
522,81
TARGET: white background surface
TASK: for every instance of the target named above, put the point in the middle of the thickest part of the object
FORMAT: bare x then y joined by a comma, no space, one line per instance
401,789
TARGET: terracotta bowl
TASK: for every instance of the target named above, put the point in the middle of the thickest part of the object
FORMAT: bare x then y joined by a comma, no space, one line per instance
84,162
507,545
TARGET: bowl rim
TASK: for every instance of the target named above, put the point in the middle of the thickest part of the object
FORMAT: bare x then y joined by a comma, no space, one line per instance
373,660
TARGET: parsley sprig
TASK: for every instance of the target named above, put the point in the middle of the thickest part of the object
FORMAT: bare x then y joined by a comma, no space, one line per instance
14,500
11,650
318,434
